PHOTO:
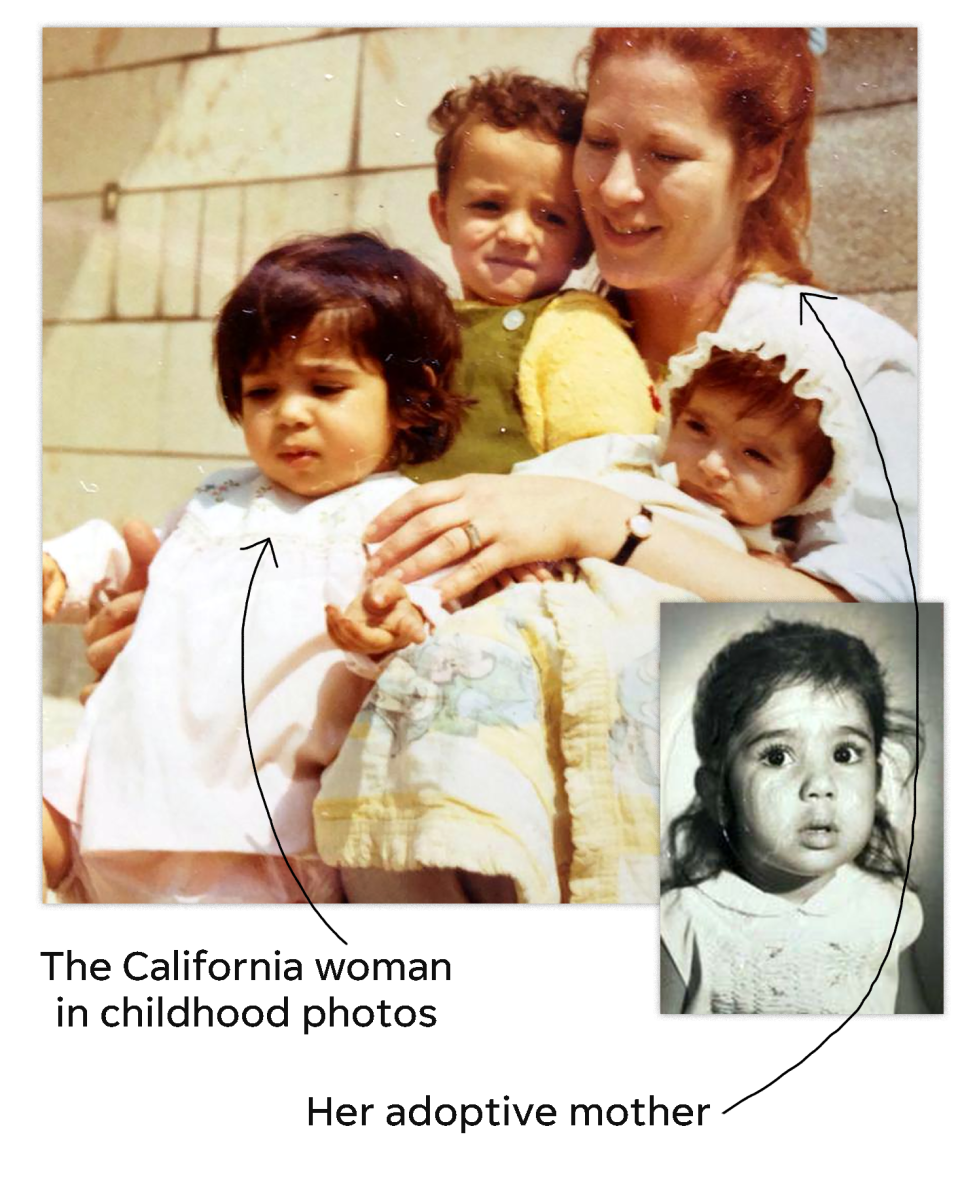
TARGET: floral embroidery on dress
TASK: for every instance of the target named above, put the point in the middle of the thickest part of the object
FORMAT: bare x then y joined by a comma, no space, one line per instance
218,490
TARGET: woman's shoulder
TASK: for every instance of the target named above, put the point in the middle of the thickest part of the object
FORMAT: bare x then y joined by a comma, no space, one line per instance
786,309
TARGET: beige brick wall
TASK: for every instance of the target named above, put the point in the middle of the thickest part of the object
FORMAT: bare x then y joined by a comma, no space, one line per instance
864,170
224,140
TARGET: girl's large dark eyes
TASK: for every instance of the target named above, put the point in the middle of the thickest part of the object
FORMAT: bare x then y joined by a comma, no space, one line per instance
775,756
847,754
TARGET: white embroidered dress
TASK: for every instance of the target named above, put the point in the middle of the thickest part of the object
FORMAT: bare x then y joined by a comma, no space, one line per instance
161,763
740,950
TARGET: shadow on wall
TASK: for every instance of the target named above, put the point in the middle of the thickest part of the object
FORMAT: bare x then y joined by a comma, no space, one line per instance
86,166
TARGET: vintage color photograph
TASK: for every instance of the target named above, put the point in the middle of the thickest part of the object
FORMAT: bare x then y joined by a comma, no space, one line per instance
393,378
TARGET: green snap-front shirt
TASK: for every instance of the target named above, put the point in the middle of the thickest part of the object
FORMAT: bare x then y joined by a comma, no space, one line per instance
492,438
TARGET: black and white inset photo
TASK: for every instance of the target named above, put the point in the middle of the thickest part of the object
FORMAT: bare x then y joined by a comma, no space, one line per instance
801,809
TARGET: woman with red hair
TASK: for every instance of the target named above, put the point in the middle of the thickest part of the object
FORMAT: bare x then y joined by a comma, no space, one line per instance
692,172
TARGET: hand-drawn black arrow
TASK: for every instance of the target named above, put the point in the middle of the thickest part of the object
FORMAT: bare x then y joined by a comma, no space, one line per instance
805,296
263,544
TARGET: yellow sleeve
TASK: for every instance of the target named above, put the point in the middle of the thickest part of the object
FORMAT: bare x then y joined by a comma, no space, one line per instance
581,376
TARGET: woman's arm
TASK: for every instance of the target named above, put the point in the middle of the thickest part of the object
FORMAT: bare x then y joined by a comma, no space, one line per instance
679,556
542,518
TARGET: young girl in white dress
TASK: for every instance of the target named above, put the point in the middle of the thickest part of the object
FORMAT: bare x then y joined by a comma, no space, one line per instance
784,876
335,356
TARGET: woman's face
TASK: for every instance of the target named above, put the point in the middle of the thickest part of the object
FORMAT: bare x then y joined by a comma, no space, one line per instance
657,174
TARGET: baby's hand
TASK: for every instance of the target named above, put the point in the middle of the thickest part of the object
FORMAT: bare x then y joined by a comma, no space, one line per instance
54,587
382,619
521,574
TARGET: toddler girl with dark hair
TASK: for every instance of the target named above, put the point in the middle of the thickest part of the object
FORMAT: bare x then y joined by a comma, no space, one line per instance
335,356
784,877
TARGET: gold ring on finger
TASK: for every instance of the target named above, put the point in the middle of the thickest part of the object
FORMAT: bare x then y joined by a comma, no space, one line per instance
473,536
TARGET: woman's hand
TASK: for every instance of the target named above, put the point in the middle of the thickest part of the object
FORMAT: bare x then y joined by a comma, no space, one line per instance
109,630
523,574
521,519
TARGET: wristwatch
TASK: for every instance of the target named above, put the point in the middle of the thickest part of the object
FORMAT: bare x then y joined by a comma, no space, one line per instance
639,528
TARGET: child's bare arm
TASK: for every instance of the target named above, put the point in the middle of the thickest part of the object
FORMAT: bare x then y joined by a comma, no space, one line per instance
378,622
54,587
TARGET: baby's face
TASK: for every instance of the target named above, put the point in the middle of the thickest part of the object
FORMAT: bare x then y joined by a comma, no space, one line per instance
314,419
750,467
803,784
511,215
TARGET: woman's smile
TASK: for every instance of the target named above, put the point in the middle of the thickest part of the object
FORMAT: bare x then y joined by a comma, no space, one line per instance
628,234
655,166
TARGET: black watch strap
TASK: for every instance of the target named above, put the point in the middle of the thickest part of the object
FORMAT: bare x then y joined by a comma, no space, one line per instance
633,540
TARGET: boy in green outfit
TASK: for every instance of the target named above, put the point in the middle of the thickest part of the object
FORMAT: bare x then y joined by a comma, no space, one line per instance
545,366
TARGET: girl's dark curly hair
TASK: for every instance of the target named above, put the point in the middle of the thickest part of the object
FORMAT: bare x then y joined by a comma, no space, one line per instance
740,679
379,305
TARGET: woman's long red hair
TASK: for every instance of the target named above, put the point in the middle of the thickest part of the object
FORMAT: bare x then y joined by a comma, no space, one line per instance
765,86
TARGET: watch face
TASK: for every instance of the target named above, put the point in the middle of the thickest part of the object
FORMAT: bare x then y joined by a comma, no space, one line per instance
641,526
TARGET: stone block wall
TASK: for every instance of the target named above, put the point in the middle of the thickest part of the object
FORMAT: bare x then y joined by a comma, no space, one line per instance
173,157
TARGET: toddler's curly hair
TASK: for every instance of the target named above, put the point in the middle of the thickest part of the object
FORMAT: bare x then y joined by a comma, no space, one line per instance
509,101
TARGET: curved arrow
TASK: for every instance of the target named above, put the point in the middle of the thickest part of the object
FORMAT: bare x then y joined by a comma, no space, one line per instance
805,296
263,544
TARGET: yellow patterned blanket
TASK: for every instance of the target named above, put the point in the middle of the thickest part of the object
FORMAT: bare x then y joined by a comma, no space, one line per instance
521,739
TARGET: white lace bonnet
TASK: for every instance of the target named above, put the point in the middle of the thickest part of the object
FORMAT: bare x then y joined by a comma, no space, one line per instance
803,348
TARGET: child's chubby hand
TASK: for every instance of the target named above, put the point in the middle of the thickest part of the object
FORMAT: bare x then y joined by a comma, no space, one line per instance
54,587
382,619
